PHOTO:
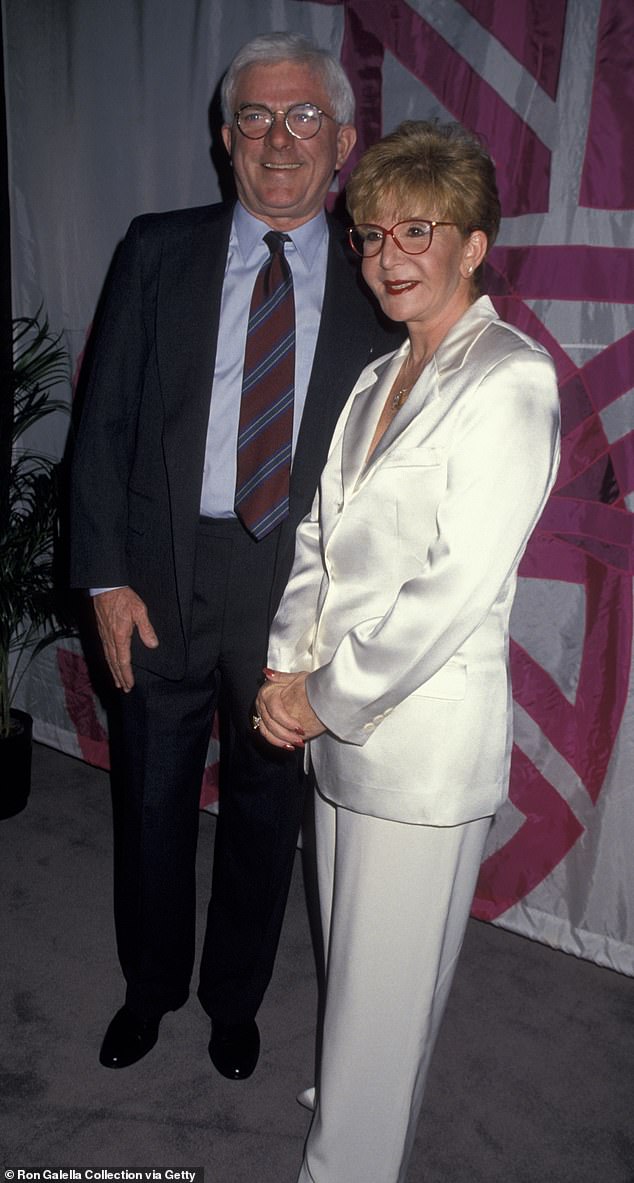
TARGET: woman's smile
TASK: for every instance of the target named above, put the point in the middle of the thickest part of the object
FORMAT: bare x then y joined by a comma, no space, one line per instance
396,287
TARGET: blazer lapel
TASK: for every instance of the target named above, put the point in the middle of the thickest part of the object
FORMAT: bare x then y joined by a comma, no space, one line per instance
363,416
365,413
424,390
450,356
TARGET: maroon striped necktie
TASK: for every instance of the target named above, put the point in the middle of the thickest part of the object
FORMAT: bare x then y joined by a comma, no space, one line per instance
266,408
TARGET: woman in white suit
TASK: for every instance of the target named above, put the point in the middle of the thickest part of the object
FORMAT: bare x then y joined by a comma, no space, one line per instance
389,652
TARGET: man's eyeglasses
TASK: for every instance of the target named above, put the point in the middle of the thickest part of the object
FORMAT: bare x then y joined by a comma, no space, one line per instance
414,236
303,120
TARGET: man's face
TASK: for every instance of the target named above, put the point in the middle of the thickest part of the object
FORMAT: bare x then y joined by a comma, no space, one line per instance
280,179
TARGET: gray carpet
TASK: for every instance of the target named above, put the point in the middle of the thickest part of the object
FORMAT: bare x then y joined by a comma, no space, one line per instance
533,1079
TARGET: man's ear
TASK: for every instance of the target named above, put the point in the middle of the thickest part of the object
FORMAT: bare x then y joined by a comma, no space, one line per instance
346,140
226,136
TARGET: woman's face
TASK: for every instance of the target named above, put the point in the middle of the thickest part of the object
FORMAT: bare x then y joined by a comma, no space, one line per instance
432,289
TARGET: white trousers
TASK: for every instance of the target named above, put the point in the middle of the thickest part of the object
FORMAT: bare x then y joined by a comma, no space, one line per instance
395,900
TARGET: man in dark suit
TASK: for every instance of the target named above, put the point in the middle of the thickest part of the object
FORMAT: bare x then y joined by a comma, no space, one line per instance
183,589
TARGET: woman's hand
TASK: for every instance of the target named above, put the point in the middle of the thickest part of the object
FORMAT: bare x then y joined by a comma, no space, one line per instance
286,716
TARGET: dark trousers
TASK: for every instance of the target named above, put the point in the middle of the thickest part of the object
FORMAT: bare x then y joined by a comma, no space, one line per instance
165,734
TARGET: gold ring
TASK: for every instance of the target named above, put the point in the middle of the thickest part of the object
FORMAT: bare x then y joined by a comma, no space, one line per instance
255,721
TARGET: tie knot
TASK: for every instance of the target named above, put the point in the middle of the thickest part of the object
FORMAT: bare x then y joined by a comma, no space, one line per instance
275,241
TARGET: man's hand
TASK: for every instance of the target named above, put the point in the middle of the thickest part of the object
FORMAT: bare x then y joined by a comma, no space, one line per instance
286,716
118,613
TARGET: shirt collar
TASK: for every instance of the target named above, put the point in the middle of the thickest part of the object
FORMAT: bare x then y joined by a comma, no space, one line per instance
248,232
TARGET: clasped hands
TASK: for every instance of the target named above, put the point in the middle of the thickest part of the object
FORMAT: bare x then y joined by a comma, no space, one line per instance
286,718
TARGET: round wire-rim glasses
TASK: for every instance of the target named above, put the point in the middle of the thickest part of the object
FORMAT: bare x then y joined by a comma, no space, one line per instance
414,238
302,120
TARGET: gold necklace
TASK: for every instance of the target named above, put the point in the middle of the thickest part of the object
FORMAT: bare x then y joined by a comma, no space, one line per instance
402,394
400,397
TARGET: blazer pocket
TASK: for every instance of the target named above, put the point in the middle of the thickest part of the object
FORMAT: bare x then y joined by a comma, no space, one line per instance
413,458
448,682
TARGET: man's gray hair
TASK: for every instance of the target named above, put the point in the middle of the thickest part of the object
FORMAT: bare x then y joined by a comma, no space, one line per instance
271,48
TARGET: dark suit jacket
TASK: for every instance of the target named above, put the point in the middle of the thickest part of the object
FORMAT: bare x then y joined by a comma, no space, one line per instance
138,462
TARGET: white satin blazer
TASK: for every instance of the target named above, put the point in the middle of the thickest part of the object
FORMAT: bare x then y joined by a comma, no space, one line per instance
405,571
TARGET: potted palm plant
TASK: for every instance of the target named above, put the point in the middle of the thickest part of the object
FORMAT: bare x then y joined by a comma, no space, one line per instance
30,617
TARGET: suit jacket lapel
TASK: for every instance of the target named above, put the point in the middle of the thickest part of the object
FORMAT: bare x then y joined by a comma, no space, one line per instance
188,310
324,395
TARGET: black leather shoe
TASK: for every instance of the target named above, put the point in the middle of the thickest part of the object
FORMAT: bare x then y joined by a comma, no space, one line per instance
127,1039
234,1048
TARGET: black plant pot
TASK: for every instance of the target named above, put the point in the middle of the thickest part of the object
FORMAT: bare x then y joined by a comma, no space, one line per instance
15,765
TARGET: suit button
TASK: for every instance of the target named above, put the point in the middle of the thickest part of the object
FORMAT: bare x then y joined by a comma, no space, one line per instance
368,726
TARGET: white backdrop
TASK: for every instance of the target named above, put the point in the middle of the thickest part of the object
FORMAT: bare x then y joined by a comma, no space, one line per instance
108,117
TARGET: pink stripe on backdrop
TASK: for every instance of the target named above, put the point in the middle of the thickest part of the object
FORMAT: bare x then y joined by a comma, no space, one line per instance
512,308
588,519
369,23
80,704
575,400
548,557
568,272
549,831
580,449
601,532
608,173
362,59
583,732
538,693
609,375
617,559
531,30
622,456
596,483
605,671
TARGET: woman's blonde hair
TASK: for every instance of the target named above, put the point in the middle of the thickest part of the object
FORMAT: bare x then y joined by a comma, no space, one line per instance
428,169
